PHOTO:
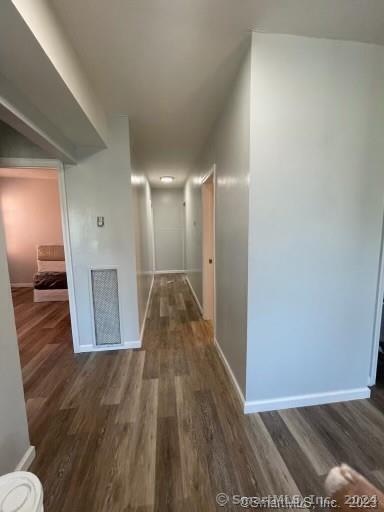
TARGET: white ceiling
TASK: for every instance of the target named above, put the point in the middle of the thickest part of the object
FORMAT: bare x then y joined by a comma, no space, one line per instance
169,63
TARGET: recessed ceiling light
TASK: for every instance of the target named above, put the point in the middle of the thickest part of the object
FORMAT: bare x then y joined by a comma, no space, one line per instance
167,179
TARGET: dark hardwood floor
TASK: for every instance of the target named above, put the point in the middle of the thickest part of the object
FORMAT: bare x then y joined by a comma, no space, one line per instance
160,429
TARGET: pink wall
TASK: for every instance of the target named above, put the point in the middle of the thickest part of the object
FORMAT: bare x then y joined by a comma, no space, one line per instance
30,209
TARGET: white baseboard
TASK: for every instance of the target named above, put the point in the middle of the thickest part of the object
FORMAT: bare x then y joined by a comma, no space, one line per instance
26,459
289,402
146,309
230,373
169,272
21,285
194,295
103,348
306,400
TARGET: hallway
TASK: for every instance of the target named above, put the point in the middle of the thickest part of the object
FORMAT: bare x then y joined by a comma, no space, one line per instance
160,429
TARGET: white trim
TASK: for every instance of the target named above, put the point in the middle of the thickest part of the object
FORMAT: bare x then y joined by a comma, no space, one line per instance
214,251
68,258
27,459
169,272
21,285
211,173
305,400
104,348
152,232
194,295
230,372
51,163
275,404
146,309
38,131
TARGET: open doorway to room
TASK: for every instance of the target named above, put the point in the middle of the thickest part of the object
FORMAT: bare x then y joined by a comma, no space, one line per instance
377,370
208,245
376,377
32,216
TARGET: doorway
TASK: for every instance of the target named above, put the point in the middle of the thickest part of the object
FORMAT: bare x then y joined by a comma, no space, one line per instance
376,375
33,211
36,243
208,245
168,229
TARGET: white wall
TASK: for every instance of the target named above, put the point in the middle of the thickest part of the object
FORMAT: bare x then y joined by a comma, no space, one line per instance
193,235
232,192
14,437
31,214
101,186
228,148
316,209
168,221
143,227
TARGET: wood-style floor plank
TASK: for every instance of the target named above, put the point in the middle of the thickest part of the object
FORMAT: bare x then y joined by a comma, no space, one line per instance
161,428
309,441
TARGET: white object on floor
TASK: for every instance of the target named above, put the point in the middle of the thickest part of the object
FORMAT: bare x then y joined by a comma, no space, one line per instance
21,491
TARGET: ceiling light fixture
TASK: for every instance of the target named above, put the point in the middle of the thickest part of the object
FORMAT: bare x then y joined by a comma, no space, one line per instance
167,179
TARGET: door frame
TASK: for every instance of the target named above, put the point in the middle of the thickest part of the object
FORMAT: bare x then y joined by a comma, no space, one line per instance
49,163
211,174
378,314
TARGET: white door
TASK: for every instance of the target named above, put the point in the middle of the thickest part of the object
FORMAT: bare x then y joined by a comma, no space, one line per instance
208,249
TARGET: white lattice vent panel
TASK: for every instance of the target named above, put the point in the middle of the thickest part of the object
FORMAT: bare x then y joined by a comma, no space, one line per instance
105,296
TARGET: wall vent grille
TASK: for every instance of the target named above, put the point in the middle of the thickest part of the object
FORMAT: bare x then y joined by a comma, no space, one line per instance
105,296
